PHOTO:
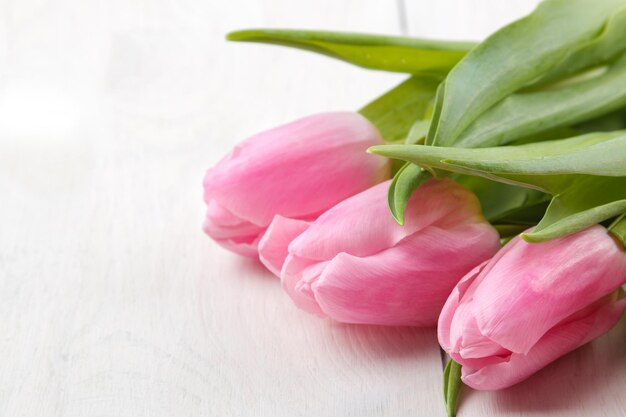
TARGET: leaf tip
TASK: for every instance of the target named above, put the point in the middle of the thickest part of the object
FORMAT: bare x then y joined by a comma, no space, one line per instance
381,150
237,35
532,237
398,217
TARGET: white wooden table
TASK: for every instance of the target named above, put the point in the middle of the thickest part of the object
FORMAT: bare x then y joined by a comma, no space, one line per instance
112,301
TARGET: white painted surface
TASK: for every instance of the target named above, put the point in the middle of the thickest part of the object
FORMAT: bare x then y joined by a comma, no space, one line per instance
113,303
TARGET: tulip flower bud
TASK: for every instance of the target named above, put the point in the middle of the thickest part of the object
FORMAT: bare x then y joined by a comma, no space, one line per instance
355,264
531,304
297,170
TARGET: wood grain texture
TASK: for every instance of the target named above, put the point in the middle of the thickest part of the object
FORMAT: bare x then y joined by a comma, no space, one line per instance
113,303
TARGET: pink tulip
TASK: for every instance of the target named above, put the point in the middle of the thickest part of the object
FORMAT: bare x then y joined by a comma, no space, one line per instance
355,264
297,170
531,304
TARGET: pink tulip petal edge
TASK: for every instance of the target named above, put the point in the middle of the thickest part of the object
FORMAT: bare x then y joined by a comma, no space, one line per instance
297,171
355,264
531,304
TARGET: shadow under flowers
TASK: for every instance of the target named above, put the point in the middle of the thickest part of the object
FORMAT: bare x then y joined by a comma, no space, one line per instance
385,341
590,377
370,340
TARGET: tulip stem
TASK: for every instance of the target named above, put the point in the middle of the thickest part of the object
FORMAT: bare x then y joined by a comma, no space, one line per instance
452,386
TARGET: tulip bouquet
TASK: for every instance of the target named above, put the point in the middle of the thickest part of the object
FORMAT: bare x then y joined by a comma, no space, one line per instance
490,202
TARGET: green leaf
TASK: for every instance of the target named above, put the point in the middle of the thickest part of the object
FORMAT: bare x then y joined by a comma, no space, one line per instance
526,114
504,203
618,229
452,385
395,112
437,107
418,132
404,183
515,56
526,214
408,178
500,203
585,202
382,52
612,121
586,175
547,166
552,134
604,47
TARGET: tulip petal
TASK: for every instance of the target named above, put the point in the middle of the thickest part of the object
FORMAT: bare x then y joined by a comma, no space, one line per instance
475,346
274,243
362,225
457,317
534,286
406,284
298,170
221,224
555,343
447,315
298,276
231,232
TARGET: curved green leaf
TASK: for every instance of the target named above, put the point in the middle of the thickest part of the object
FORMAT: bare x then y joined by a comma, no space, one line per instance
547,166
521,115
408,178
561,224
587,201
515,56
404,183
586,175
452,385
437,108
382,52
605,46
